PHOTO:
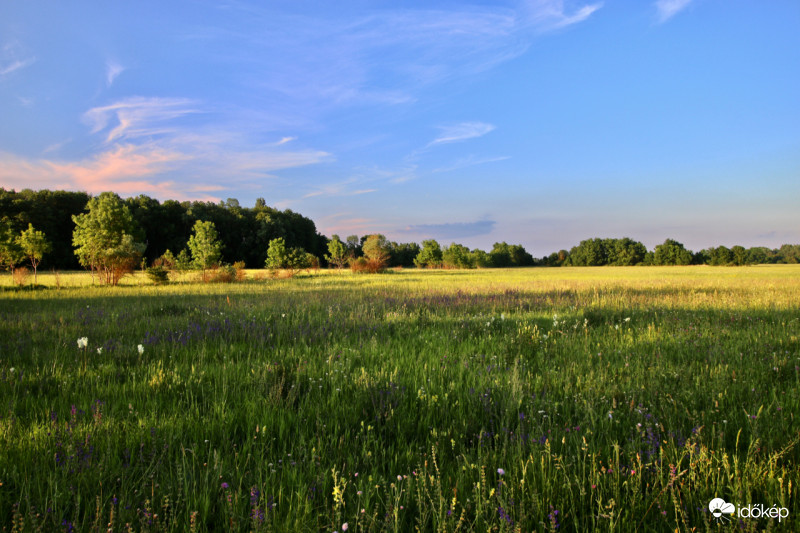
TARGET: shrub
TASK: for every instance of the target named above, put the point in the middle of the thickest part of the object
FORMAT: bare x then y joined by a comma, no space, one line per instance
158,275
241,275
20,275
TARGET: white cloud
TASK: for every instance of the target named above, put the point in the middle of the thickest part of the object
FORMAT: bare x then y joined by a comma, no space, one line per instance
669,8
546,15
113,69
285,140
13,57
138,116
461,132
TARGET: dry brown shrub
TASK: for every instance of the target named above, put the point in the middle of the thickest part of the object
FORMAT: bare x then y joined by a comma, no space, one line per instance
20,275
362,265
241,275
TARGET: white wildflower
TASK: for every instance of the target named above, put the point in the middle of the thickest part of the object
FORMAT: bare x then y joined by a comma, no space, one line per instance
83,342
140,348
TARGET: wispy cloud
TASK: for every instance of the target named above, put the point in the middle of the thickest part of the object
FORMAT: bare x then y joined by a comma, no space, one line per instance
13,57
285,140
470,161
669,8
113,69
138,116
450,230
546,15
461,132
151,148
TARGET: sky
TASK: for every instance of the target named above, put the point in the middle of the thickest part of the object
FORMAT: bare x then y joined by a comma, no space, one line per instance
535,122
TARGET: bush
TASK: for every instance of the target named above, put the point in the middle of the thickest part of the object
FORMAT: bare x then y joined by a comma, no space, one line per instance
362,265
158,275
20,275
241,275
220,274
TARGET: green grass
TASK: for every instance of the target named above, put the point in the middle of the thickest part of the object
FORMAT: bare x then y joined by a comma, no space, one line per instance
611,399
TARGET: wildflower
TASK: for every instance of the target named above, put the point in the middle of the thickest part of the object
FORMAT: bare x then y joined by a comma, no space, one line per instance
501,471
99,350
140,348
83,342
224,485
345,526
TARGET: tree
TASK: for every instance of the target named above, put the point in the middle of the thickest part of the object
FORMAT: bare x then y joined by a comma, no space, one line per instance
672,252
590,252
519,256
204,245
34,245
279,257
739,255
337,252
430,256
720,256
625,252
10,253
457,256
403,254
353,246
376,250
100,239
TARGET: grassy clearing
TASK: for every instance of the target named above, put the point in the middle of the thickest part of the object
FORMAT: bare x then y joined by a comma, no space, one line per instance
570,399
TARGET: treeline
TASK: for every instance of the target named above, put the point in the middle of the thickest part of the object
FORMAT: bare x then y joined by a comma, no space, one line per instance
244,233
627,252
40,226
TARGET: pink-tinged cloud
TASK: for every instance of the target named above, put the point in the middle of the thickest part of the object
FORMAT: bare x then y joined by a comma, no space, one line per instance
349,226
124,170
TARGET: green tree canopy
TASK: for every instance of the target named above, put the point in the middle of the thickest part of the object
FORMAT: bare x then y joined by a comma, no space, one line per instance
100,239
457,256
279,257
671,252
34,245
337,252
430,256
10,252
376,248
204,245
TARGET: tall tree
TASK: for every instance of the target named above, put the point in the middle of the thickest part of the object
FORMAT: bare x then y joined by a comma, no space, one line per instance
430,256
34,245
100,239
337,252
204,245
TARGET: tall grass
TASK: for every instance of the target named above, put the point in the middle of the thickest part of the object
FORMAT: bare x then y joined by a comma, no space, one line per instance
607,399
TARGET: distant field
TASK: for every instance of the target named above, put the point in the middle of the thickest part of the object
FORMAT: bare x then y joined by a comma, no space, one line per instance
544,399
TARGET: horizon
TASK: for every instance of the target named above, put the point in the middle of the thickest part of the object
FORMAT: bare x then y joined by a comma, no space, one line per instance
541,123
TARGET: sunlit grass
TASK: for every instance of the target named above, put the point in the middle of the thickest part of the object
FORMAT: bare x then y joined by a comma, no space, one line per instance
622,398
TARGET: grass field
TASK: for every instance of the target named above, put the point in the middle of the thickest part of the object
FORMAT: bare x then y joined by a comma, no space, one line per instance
563,399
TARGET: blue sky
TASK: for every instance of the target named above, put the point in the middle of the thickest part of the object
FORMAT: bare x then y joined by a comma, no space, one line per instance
540,122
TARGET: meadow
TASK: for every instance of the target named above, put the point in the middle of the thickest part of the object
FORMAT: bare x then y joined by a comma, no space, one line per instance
561,399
